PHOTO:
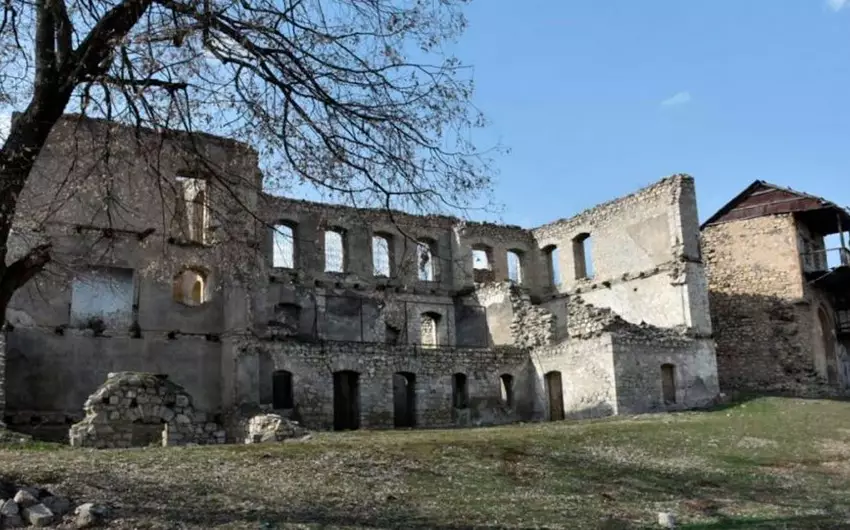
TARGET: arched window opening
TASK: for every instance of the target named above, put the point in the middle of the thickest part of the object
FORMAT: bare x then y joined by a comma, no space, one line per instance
425,261
191,287
334,251
282,390
381,255
507,381
482,263
515,266
552,255
460,392
283,246
668,383
582,258
428,329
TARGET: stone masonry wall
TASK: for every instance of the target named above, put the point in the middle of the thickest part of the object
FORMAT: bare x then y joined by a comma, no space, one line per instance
761,317
312,367
644,250
637,364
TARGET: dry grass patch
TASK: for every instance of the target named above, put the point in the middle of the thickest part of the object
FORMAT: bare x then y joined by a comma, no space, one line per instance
755,465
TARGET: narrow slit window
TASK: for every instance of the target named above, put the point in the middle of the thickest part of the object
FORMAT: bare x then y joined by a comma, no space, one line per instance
334,251
553,265
283,251
668,383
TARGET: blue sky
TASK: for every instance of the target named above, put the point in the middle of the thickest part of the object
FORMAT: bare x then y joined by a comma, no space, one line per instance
596,99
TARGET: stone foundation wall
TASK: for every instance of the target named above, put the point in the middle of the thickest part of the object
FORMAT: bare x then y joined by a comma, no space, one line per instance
313,366
637,365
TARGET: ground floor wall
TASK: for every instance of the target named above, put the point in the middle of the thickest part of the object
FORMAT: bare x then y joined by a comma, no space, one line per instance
664,375
777,345
447,386
50,376
574,379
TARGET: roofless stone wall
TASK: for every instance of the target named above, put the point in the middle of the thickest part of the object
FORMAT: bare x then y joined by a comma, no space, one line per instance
134,409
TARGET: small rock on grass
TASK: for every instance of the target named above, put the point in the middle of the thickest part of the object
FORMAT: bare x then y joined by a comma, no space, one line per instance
666,520
38,515
89,515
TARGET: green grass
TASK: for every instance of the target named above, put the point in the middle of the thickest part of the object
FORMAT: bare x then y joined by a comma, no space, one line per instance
765,463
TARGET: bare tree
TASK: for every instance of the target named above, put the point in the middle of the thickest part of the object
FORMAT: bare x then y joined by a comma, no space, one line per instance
356,97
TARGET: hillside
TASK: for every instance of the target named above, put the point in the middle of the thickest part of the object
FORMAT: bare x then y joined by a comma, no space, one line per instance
766,463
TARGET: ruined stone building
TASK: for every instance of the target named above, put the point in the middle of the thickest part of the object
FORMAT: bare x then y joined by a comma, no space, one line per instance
348,318
780,298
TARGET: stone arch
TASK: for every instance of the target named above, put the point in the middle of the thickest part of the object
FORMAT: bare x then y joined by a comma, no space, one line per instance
191,286
826,361
128,400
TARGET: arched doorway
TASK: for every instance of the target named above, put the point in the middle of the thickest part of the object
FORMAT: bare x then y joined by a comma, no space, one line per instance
404,399
827,339
555,393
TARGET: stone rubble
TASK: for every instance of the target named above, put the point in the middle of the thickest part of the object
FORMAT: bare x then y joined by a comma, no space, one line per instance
38,508
130,398
264,428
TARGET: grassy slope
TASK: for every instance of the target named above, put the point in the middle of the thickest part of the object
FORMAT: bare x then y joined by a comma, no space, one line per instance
767,463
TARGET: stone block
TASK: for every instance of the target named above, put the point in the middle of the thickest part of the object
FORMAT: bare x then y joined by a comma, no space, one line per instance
38,515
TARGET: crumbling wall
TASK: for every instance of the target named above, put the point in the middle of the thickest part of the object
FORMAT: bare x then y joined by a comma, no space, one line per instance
644,250
762,318
511,316
312,367
587,376
133,409
638,361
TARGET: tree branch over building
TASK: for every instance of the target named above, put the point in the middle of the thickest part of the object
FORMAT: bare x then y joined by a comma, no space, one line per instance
355,97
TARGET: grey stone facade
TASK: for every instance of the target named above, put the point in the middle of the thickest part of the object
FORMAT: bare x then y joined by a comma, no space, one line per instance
381,340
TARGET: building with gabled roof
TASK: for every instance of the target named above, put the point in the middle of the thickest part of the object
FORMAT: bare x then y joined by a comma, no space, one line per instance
779,296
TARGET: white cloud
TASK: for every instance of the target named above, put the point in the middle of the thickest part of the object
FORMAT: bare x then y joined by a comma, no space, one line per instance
836,5
681,98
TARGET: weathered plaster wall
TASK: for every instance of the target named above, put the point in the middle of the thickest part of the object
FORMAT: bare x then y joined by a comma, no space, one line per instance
312,367
763,317
637,366
52,375
645,254
587,377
